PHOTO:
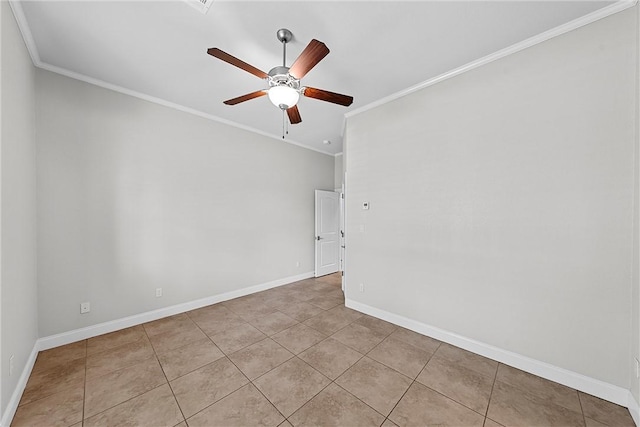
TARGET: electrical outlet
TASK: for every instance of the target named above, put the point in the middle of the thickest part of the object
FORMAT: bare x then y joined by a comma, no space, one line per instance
297,263
637,367
85,307
158,292
361,287
11,365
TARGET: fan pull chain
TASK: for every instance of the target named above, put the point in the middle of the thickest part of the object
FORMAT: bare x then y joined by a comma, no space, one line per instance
282,124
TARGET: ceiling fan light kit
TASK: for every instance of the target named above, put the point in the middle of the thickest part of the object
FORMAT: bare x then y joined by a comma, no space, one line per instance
284,82
283,97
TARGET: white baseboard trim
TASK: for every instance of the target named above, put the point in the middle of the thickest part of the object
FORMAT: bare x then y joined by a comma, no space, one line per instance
601,389
12,406
137,319
634,409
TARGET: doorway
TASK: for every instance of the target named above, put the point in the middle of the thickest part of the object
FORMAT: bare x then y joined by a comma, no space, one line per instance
327,232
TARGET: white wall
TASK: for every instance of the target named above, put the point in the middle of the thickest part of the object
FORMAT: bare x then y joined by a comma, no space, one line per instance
133,196
18,203
635,294
338,173
501,202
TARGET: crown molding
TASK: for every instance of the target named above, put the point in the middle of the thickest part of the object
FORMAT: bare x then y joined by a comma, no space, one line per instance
616,7
25,30
27,36
173,105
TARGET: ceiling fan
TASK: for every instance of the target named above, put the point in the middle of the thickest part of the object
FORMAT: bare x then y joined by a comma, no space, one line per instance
284,82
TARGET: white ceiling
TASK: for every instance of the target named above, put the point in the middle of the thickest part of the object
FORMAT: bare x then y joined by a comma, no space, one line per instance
158,49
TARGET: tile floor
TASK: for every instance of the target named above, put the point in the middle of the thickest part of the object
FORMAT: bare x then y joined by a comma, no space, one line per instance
292,355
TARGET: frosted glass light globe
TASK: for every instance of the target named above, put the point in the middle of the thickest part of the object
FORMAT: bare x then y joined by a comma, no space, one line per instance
283,96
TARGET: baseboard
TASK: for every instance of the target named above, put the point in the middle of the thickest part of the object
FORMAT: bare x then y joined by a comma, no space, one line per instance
137,319
12,406
601,389
634,409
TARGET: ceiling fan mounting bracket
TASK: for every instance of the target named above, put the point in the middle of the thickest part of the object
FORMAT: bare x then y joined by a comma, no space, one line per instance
284,35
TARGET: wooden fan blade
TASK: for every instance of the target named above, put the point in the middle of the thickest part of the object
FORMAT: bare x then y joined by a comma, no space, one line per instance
310,56
325,95
294,115
246,97
214,51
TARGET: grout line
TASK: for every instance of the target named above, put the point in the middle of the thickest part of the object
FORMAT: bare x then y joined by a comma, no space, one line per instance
255,386
241,348
584,417
212,403
312,397
438,392
116,370
413,381
107,373
164,373
454,400
124,401
333,381
270,402
495,378
401,397
228,394
357,398
345,371
355,363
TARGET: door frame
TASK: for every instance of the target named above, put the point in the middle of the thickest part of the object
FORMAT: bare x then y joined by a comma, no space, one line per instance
317,237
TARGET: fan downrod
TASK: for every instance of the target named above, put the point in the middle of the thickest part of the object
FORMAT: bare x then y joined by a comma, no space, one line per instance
285,37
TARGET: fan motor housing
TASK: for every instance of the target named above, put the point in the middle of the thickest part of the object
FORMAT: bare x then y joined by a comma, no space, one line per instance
279,76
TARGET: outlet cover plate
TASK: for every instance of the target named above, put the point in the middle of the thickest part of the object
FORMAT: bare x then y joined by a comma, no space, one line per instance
85,307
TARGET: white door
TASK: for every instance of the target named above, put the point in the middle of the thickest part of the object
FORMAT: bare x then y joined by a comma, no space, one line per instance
327,232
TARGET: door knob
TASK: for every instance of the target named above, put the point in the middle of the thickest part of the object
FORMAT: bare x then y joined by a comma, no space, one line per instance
318,238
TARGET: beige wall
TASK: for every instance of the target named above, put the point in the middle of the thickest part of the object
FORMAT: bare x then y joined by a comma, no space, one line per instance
502,202
133,196
18,204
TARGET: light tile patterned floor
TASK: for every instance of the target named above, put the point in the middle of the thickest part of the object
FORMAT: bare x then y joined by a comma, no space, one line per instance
290,356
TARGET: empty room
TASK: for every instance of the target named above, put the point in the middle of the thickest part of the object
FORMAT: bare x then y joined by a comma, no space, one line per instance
319,213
